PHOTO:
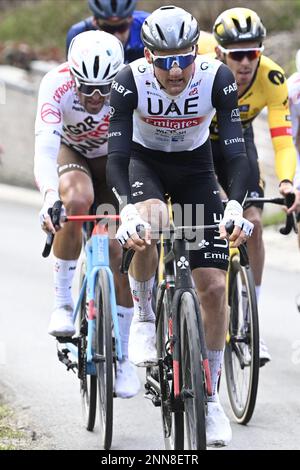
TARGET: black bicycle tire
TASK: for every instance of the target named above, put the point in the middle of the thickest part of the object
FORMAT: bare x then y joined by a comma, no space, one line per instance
191,349
244,416
88,385
177,440
104,377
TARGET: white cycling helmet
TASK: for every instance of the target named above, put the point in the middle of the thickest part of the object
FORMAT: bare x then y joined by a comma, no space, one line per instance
95,57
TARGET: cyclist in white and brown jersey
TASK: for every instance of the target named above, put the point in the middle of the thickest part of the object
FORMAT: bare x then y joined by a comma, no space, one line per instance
70,164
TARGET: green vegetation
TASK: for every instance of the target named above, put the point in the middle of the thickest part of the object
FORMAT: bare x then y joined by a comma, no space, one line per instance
276,218
10,437
42,24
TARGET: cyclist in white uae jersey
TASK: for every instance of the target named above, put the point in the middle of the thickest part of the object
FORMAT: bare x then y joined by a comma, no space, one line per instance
161,109
70,164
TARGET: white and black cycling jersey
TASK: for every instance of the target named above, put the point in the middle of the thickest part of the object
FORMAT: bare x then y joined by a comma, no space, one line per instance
61,118
161,122
143,114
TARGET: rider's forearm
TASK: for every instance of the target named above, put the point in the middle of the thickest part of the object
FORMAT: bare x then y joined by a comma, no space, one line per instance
45,161
117,177
285,163
238,171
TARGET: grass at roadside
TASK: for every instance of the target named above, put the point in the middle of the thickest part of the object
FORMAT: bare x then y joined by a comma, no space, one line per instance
43,24
275,218
12,437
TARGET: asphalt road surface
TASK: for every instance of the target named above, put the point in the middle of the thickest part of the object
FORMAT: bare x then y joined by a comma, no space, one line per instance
32,377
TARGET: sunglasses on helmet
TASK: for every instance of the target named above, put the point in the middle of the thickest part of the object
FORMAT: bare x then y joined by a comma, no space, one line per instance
90,89
239,54
168,61
112,28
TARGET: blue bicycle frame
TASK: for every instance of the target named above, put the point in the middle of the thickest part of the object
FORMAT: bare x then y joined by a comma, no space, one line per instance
97,258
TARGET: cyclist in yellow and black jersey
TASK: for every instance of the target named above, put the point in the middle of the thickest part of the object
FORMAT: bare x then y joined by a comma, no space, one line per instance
260,82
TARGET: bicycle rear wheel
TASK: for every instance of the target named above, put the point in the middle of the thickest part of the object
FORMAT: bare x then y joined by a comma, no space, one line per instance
172,417
104,358
192,375
241,357
88,383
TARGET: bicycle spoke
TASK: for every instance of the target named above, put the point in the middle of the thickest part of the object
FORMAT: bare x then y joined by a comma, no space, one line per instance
241,352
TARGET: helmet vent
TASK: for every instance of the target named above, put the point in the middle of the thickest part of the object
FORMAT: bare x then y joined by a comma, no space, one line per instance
80,74
128,4
98,4
161,34
237,25
96,66
85,70
248,23
114,5
181,31
167,8
106,72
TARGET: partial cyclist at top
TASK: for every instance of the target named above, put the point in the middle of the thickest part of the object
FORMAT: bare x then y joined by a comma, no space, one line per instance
117,17
240,33
161,109
70,164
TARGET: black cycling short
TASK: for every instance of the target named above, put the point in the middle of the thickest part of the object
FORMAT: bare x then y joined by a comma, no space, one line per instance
256,184
189,179
70,160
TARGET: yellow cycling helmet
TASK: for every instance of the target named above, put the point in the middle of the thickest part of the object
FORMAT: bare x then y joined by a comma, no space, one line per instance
206,43
238,25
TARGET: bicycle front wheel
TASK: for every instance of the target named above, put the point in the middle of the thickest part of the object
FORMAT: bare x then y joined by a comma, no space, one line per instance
241,357
88,383
192,375
104,358
172,415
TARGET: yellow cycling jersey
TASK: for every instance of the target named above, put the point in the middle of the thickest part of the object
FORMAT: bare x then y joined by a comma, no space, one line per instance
206,43
269,88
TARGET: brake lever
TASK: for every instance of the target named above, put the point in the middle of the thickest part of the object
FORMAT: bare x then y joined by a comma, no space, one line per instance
290,223
54,213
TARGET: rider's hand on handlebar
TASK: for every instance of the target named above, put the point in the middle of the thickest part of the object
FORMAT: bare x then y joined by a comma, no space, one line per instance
45,220
242,227
286,188
127,232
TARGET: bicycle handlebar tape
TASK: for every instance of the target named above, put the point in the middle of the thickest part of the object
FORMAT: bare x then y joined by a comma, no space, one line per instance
126,260
244,258
128,254
54,213
290,223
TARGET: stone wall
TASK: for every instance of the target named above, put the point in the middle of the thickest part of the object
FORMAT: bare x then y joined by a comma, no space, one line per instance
18,98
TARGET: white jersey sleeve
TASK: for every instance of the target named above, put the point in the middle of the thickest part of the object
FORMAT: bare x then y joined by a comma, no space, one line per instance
48,128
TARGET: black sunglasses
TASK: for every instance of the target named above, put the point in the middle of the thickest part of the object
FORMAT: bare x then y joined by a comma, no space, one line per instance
89,89
239,54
